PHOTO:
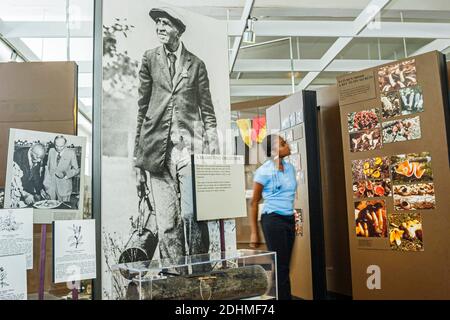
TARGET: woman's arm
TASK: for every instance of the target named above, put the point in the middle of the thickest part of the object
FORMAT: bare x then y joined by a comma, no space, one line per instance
257,195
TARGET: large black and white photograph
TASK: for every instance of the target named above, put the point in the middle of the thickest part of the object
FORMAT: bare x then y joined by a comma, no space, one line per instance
45,171
165,98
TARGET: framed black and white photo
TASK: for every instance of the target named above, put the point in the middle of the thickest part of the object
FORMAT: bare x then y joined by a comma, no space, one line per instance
45,171
165,97
2,197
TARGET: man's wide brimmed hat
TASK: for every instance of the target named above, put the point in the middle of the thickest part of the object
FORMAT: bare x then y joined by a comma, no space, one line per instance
156,13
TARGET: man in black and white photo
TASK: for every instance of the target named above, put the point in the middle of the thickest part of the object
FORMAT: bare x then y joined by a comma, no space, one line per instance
62,166
176,118
30,162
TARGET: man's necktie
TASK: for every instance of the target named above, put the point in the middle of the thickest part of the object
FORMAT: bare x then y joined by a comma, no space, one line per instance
58,158
172,59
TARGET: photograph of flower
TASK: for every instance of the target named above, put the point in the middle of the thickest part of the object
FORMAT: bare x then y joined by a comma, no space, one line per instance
370,169
370,219
397,76
372,189
414,196
363,120
405,232
366,140
401,130
411,168
411,100
390,103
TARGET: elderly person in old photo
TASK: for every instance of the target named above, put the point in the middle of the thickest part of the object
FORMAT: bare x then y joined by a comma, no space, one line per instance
176,118
62,167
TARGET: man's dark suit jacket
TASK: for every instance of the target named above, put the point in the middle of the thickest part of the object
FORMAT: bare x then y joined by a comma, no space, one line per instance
189,96
32,180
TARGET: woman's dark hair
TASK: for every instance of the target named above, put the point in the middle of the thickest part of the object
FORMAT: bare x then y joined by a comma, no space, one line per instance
268,143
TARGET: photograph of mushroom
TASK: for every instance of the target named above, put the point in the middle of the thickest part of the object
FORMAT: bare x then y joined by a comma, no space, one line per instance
366,140
363,120
370,219
372,189
411,168
401,130
414,196
397,76
405,232
373,168
411,100
390,103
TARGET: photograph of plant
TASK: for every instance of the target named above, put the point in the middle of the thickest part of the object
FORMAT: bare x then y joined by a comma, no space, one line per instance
411,168
405,232
414,196
370,219
366,140
390,103
363,120
402,130
372,189
411,100
373,168
397,76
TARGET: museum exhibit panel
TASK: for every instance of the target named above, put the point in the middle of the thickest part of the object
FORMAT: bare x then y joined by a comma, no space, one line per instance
394,122
129,142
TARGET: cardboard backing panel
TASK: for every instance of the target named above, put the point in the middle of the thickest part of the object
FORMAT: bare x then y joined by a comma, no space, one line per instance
407,274
39,96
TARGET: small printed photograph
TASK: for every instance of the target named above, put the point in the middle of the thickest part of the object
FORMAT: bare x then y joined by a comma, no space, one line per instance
2,197
366,140
401,130
285,123
411,100
363,120
299,117
372,189
397,76
370,219
292,119
411,168
391,106
405,232
414,196
371,169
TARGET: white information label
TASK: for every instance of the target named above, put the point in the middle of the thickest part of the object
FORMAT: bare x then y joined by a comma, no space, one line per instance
16,233
13,277
74,250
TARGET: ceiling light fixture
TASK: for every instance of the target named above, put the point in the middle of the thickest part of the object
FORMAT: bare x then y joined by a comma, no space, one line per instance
249,33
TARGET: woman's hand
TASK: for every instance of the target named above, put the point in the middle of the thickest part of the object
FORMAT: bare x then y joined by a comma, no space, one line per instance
254,240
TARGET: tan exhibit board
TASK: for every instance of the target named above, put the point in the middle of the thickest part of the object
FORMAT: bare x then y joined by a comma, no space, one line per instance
397,178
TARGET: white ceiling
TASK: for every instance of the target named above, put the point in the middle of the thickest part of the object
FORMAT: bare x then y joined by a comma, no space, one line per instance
326,39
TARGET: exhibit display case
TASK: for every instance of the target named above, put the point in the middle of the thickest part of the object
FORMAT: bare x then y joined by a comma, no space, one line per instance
232,275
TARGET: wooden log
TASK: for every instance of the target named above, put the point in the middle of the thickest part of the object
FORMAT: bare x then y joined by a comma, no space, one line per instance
226,284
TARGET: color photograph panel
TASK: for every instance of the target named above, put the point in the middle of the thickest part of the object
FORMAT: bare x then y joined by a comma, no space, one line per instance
405,232
363,120
366,140
397,76
411,100
414,197
370,219
372,189
402,130
411,168
390,103
373,168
